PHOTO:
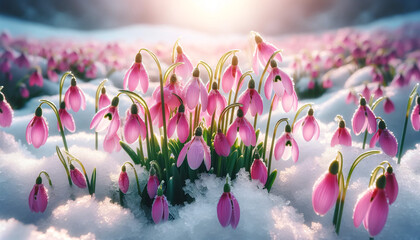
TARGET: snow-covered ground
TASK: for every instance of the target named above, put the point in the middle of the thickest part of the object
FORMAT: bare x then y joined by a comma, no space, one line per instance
284,213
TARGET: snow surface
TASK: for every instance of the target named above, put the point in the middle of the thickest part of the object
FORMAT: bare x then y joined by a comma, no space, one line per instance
285,213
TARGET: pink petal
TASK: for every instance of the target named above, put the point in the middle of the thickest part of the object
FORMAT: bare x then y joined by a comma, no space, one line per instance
361,207
152,186
157,209
268,87
236,212
103,101
388,143
345,137
126,76
295,150
6,115
255,65
221,102
111,143
371,118
207,158
228,79
195,154
182,154
78,178
115,122
212,103
134,77
252,132
286,82
374,139
259,171
224,210
256,104
185,69
172,125
123,182
232,132
415,118
203,97
131,129
308,128
389,106
97,118
377,213
325,193
42,198
192,93
279,148
391,187
221,145
66,120
183,129
287,102
245,99
144,78
335,140
165,209
39,132
359,121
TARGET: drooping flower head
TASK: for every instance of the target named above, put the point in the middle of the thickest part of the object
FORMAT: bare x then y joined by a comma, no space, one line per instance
391,188
415,115
386,138
196,92
310,127
388,106
372,208
77,177
74,97
278,80
22,61
363,119
160,208
196,151
378,91
134,126
37,130
413,73
399,80
366,92
228,210
259,170
36,78
231,76
245,129
123,180
107,118
66,118
152,183
6,112
342,135
325,190
23,90
52,75
38,198
221,144
111,143
216,101
103,99
286,146
251,99
183,70
172,88
136,75
180,122
351,97
262,53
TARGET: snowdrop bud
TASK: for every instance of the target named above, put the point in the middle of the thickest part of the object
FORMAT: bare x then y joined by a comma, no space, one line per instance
115,101
235,60
138,58
251,84
196,72
179,49
273,63
381,182
198,131
73,82
134,109
38,112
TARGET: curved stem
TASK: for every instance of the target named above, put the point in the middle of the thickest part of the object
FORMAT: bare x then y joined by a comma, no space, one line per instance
98,91
226,110
54,108
364,139
410,101
298,112
248,73
375,104
339,117
63,78
47,176
1,87
220,63
266,67
169,70
209,72
272,142
63,161
135,173
267,129
174,50
375,173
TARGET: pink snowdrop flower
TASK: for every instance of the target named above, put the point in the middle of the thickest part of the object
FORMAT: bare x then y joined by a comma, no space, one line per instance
171,90
286,146
415,115
327,83
123,180
134,126
221,144
7,55
180,122
413,73
77,177
23,90
37,130
372,208
5,66
288,102
160,208
314,74
66,118
325,190
152,184
52,75
363,119
196,150
183,70
377,77
378,92
6,112
358,53
156,114
310,127
351,97
92,72
63,66
366,92
74,97
388,106
36,78
228,210
103,99
73,57
216,101
391,188
262,53
81,67
231,76
112,143
259,170
342,135
386,138
107,117
194,91
136,75
338,61
38,197
22,61
51,63
245,129
311,84
399,80
250,99
278,80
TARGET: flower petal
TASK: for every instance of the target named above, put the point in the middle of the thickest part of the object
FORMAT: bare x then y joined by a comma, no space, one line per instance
224,210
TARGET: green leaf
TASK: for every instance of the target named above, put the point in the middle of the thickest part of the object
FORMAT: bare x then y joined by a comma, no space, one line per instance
93,181
170,190
231,160
141,156
270,180
130,152
239,164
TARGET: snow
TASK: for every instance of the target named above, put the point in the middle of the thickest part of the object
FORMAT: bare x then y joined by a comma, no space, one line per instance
284,213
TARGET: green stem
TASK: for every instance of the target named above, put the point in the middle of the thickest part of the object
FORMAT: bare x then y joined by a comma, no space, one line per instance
209,71
47,176
375,173
298,112
60,89
98,91
219,66
410,101
364,139
135,174
54,108
267,130
272,142
63,161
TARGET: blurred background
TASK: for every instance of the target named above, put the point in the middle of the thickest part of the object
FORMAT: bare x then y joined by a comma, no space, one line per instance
214,16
